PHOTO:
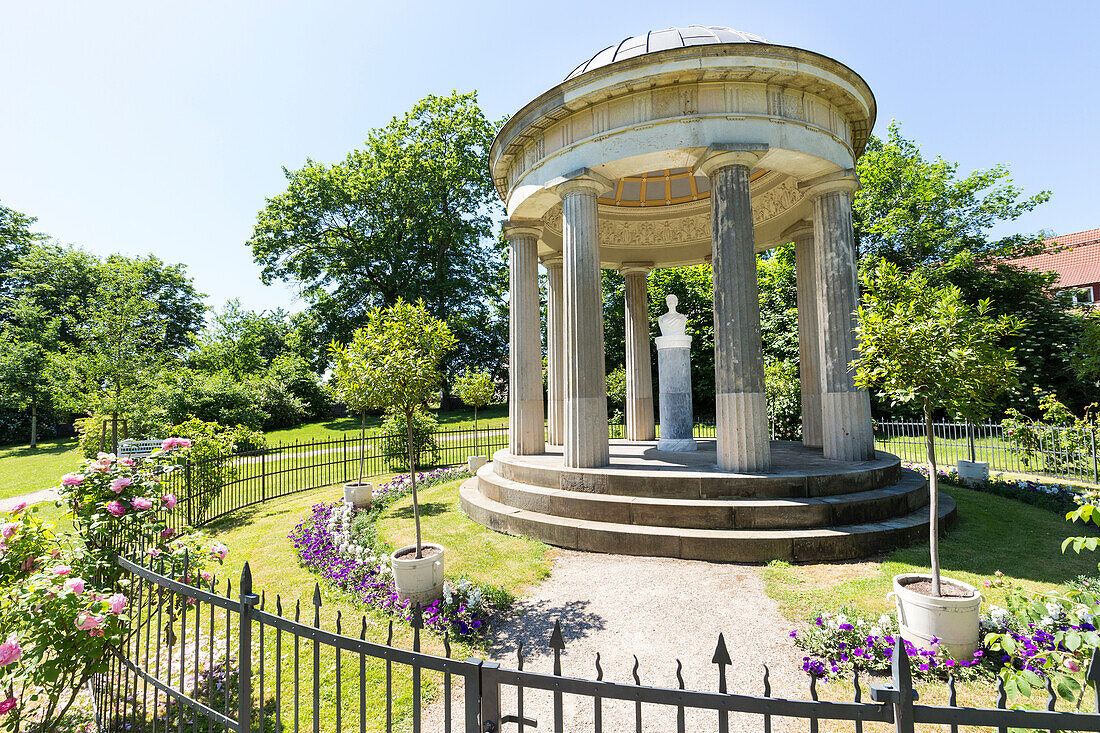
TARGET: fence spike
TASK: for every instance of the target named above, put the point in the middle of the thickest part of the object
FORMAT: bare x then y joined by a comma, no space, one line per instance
317,595
278,604
363,631
389,634
339,620
519,654
634,672
298,610
680,673
418,616
246,576
186,565
263,598
767,681
447,644
952,696
1052,699
858,693
1002,698
557,643
721,654
599,669
813,687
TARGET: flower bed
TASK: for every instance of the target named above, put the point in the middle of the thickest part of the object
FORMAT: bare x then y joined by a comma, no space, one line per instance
341,544
1060,498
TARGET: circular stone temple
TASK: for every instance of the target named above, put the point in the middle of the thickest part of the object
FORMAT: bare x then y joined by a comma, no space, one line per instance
674,148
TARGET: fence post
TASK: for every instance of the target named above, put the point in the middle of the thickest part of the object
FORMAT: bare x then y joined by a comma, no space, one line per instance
187,486
344,458
244,651
1095,465
899,691
489,691
263,475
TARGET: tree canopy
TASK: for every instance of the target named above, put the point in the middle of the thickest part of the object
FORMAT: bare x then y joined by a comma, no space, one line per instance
407,216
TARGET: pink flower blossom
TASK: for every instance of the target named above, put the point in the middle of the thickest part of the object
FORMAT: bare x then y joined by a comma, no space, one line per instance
142,503
101,456
205,575
7,706
121,483
18,507
72,479
987,584
10,651
1070,664
219,550
76,585
9,529
126,462
116,508
88,621
117,603
171,443
167,534
154,552
101,466
170,501
61,570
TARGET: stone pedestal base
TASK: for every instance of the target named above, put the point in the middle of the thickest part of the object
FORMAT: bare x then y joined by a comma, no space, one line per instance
971,473
677,445
674,378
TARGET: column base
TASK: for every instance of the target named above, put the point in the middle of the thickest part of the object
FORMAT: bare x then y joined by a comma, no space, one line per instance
529,439
743,441
586,433
677,445
846,430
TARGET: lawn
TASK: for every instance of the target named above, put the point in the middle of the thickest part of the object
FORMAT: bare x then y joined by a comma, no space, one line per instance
992,533
259,535
24,469
492,416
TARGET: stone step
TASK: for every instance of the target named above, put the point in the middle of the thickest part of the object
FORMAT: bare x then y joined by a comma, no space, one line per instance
908,495
842,542
799,473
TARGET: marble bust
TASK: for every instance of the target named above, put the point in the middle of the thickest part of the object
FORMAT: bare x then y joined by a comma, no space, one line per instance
672,323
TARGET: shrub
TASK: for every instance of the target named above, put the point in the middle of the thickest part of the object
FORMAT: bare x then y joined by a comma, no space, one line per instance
784,397
395,445
1060,442
281,407
294,373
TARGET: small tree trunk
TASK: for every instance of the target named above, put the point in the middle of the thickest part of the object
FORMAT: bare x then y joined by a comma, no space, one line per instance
34,423
933,499
362,441
412,476
475,429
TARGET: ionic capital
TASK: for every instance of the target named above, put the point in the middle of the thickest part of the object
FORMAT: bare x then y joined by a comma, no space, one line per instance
721,155
522,227
582,179
843,180
798,230
635,268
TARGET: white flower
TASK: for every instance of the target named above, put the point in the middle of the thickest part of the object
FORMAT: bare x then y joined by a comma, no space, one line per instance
884,620
1054,609
447,595
999,615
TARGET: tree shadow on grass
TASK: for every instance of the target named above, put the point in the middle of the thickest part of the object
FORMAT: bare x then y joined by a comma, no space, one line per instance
532,622
49,447
427,509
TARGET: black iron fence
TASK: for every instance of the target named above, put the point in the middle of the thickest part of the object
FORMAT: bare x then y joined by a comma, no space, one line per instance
206,657
1044,450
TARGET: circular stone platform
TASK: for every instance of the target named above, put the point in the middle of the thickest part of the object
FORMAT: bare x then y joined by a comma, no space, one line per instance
649,502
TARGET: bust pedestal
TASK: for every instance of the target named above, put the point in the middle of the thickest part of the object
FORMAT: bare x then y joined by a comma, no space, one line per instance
674,376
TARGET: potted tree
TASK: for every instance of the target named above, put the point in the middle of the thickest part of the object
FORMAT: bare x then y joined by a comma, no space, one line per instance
475,388
352,388
924,346
400,350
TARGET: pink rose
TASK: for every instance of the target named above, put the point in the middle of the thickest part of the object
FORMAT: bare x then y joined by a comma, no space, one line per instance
9,529
142,503
121,483
1070,664
167,534
61,570
116,603
100,466
115,508
7,706
72,479
18,507
171,443
219,550
10,651
76,585
205,575
126,461
88,621
154,552
170,501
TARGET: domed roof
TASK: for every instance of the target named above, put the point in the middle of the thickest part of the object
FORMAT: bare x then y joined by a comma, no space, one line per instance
692,35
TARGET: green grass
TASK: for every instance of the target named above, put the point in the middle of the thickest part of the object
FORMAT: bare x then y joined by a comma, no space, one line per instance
24,469
491,416
992,533
259,535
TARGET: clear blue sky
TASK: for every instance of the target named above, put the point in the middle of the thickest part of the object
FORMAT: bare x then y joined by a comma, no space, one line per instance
138,127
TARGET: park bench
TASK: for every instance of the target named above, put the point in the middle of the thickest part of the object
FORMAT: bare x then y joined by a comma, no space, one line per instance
137,448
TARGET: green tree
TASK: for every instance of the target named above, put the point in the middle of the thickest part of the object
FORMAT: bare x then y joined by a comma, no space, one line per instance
16,239
393,363
407,216
1086,357
28,349
917,212
475,388
924,345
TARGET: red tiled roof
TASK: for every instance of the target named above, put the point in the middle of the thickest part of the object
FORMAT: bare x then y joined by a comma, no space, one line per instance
1075,257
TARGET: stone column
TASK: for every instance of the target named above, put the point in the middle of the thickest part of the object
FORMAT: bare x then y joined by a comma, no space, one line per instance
742,415
555,368
586,432
639,368
845,410
809,353
525,426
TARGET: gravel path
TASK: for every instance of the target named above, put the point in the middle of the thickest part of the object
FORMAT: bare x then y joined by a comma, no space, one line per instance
659,609
32,498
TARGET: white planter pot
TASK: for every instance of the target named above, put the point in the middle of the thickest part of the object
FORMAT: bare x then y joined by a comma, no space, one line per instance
954,621
973,472
418,580
358,495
